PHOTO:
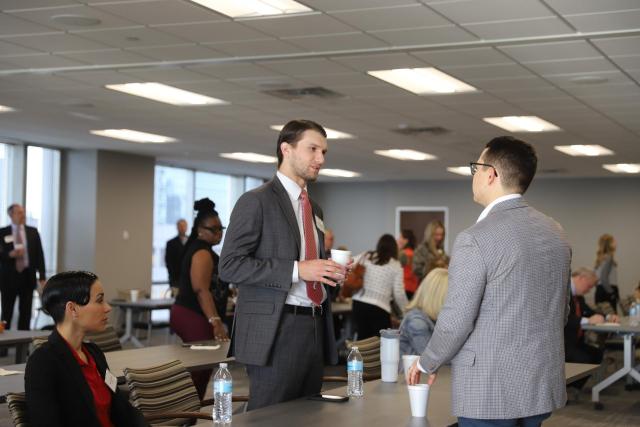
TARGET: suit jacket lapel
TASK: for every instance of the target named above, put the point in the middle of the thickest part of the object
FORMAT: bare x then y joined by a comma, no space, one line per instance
285,204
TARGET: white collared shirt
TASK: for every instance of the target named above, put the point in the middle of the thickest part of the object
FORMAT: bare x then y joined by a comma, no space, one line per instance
15,229
583,320
298,292
490,206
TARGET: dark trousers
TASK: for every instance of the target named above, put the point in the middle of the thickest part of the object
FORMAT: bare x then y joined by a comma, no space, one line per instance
369,319
191,326
296,365
18,285
533,421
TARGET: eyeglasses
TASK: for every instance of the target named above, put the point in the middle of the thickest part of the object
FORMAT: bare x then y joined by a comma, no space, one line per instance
474,167
214,229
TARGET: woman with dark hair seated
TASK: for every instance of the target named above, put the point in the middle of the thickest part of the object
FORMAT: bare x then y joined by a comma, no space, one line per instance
67,381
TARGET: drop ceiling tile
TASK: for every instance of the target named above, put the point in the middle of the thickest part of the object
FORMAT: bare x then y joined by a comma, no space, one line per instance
498,84
213,32
336,5
107,57
487,71
384,61
628,62
336,42
568,7
599,91
551,51
6,5
97,78
397,17
231,71
43,17
425,36
255,47
215,88
13,25
623,20
163,75
8,48
619,45
575,66
301,25
568,80
306,67
341,80
132,37
522,28
41,61
160,12
463,57
57,42
178,52
467,11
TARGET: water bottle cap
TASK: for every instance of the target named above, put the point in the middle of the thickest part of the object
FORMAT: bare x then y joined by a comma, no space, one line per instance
223,365
355,347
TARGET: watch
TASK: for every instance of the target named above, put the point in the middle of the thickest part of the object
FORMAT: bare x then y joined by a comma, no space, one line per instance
213,319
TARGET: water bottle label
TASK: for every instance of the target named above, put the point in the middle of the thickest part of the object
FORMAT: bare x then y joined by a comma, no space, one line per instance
222,387
355,366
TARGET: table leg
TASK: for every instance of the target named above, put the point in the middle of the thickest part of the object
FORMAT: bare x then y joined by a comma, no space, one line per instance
128,329
21,352
626,369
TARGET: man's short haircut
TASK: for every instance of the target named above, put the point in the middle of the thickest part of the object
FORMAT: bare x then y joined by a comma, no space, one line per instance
515,161
180,220
11,208
68,286
583,271
292,132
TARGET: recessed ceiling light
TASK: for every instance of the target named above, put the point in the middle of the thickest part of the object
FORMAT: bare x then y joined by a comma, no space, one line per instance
405,154
252,8
339,173
76,20
423,81
460,170
167,94
331,133
584,150
522,124
250,157
623,168
134,136
5,109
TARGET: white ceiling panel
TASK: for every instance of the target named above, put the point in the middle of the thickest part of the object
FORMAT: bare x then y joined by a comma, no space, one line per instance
106,57
8,48
58,42
132,37
13,25
425,36
630,62
178,52
619,45
569,80
379,61
488,71
32,4
44,60
342,80
97,78
551,51
256,47
523,28
398,17
163,75
468,11
233,71
161,12
568,7
335,5
43,17
623,20
463,57
575,66
306,67
304,25
213,32
334,42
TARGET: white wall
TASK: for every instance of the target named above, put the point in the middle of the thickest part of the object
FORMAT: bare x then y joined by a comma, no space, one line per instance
360,213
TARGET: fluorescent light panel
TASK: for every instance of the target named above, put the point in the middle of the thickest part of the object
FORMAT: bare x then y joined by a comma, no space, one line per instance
339,173
134,136
405,154
5,109
423,81
331,133
584,150
460,170
623,168
522,124
250,157
252,8
167,94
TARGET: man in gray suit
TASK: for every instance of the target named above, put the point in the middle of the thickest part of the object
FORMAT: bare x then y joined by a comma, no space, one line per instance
503,319
274,253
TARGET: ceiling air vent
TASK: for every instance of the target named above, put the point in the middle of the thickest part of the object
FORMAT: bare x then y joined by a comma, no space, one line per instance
418,130
304,92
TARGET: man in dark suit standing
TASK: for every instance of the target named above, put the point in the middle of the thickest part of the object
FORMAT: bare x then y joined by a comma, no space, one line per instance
21,256
273,252
173,253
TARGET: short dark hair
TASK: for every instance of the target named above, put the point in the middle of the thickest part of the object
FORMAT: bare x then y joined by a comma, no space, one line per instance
515,160
68,286
11,208
407,233
292,132
386,249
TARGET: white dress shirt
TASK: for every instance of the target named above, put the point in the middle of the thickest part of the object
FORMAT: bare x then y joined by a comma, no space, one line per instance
490,206
15,229
298,292
583,320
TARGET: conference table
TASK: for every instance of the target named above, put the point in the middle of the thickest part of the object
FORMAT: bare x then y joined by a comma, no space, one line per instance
343,311
21,341
383,404
144,304
193,360
627,328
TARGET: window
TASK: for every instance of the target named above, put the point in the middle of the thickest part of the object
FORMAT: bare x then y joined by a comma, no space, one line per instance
6,181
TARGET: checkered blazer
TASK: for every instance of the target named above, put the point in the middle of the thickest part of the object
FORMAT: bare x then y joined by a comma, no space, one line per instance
503,319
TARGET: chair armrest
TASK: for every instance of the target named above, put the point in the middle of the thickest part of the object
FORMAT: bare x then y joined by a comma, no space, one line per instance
169,415
234,398
334,379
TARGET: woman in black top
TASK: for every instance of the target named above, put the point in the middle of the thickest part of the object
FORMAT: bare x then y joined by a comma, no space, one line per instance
196,315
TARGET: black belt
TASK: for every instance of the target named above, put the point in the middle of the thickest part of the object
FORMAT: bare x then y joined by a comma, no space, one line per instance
307,311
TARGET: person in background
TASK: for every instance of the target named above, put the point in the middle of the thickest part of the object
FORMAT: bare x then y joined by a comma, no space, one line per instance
173,254
21,257
67,381
630,300
406,245
607,270
382,284
422,312
430,253
328,240
197,315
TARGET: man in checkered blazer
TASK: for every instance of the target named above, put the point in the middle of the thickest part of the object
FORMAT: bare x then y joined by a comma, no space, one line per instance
503,319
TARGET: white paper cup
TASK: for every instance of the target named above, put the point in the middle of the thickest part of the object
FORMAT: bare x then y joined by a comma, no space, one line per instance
341,257
407,361
18,246
418,397
134,295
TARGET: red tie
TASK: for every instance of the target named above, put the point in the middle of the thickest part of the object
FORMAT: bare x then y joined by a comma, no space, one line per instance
20,262
576,302
314,290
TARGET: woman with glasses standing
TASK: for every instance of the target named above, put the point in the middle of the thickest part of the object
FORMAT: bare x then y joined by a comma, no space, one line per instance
196,314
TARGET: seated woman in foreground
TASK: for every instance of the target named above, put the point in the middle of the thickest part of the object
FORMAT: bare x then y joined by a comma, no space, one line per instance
422,312
67,381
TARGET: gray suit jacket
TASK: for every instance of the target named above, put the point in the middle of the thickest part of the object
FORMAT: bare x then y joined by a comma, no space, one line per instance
261,245
503,319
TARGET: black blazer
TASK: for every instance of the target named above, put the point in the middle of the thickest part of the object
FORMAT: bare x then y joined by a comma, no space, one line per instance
58,394
34,247
173,259
571,339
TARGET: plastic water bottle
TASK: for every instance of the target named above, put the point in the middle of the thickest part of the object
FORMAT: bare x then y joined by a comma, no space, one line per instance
634,314
354,373
222,390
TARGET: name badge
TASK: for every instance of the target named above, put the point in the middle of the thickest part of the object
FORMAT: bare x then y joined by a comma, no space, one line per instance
319,224
9,238
111,380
